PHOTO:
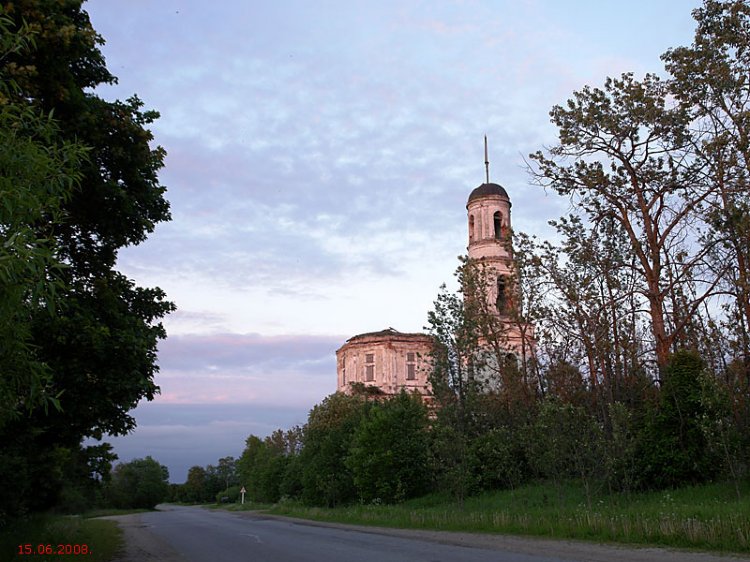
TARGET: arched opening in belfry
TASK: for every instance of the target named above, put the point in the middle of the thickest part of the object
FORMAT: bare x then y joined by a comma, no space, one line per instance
471,227
500,303
498,225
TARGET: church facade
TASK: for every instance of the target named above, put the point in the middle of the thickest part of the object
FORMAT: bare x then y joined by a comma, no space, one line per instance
388,361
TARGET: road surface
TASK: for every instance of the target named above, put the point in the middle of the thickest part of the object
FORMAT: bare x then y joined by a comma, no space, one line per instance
193,534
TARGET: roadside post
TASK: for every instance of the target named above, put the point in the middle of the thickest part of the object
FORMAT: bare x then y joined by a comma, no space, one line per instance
242,491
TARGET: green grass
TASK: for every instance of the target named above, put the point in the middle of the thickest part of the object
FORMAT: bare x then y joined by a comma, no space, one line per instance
705,517
105,512
101,538
247,506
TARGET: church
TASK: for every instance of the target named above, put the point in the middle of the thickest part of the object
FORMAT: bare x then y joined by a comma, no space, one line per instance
388,361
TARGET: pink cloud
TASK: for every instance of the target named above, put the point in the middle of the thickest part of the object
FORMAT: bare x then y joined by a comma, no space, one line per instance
247,368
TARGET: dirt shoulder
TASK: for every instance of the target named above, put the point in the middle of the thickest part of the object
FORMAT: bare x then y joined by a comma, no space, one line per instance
140,544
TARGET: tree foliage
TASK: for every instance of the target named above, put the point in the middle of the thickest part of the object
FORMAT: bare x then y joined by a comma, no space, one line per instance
327,439
389,455
710,80
140,483
38,174
675,450
654,259
88,335
623,158
268,467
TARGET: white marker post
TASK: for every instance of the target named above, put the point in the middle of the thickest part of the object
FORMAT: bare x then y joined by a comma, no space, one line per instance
242,491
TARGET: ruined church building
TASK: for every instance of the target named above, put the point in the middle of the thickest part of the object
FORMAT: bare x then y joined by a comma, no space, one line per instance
390,360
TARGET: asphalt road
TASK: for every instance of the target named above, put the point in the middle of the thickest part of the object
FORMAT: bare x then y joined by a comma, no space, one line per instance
191,534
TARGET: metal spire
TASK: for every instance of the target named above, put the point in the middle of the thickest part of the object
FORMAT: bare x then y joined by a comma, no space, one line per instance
486,160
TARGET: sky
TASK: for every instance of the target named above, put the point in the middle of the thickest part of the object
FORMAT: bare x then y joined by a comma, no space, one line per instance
319,159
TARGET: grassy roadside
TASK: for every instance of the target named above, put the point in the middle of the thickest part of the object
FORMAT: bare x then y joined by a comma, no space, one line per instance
104,512
73,535
247,506
705,517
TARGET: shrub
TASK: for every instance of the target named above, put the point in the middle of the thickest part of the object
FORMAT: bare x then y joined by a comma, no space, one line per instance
232,495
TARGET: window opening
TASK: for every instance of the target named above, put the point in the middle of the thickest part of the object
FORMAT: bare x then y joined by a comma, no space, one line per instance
411,367
369,367
501,296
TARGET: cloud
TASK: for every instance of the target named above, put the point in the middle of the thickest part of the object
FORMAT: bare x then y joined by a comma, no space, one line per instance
246,353
234,368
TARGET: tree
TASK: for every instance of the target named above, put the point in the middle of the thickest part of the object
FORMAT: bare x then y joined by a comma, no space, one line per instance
674,449
623,157
327,438
140,483
194,489
85,473
499,459
498,338
589,327
456,383
565,441
227,471
100,346
38,174
456,356
389,455
262,466
710,79
248,464
658,174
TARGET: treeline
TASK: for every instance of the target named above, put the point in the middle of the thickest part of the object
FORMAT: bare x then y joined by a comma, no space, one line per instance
351,448
214,483
354,448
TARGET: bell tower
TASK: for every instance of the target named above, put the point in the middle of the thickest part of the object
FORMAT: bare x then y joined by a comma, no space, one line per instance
488,210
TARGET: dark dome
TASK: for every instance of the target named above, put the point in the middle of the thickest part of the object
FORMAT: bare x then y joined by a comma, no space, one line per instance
488,189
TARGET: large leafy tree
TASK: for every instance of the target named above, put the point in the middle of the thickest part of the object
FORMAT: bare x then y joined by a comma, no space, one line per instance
326,442
588,325
624,157
101,346
389,454
710,78
141,483
37,175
